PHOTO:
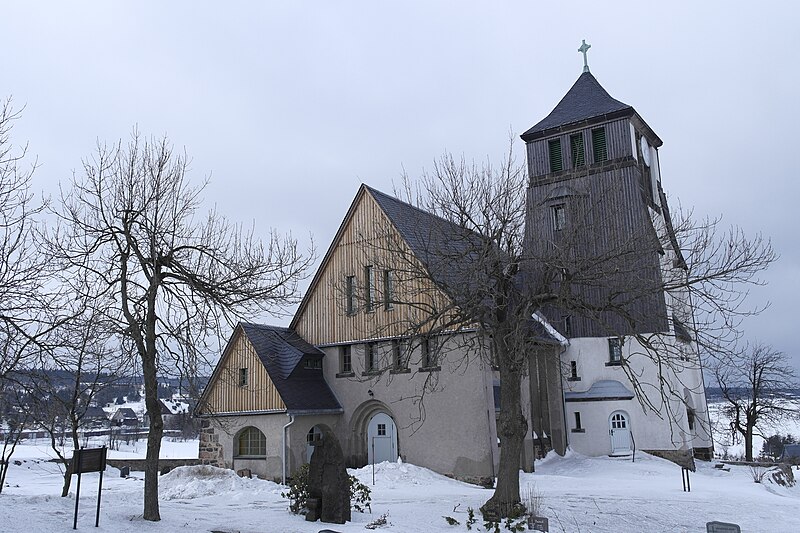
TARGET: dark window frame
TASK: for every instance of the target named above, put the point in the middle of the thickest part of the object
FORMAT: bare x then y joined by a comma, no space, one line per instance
345,360
559,214
615,351
369,288
350,295
244,376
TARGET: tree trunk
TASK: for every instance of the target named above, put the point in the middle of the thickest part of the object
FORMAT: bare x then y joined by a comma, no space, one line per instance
151,511
511,429
67,467
748,443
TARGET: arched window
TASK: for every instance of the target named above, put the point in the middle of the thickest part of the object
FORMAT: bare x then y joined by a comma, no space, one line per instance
251,443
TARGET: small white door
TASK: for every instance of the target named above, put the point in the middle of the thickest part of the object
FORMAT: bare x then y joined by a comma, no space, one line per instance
620,432
381,439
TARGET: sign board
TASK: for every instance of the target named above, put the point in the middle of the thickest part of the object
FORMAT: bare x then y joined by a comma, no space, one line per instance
722,527
88,460
538,523
83,461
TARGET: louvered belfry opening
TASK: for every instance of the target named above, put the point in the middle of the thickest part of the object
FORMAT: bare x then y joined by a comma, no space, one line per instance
599,149
554,147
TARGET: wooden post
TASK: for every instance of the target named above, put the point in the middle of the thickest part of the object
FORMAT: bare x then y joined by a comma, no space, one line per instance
78,488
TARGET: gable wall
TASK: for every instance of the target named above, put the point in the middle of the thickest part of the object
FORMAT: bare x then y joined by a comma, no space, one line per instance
363,242
226,396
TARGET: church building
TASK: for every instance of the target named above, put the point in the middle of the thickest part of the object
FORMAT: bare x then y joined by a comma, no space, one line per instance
347,362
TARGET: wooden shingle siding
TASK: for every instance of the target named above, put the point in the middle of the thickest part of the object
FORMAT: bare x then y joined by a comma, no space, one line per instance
226,396
367,238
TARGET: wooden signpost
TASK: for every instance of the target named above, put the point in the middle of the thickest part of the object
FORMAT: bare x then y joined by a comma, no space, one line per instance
83,461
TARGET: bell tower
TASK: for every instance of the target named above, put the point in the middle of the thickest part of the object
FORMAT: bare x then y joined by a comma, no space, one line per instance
594,209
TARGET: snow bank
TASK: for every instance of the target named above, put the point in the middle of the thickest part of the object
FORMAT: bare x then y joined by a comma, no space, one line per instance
189,482
399,474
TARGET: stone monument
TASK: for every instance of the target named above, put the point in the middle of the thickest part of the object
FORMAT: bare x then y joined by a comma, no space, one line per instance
328,482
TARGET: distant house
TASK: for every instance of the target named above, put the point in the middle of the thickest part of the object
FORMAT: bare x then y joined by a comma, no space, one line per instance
125,417
95,417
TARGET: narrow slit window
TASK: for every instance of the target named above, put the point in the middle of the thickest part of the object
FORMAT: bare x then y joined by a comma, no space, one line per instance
578,420
573,369
369,293
350,295
369,357
388,289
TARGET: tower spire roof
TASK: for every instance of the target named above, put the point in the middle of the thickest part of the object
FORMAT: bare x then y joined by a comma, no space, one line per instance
586,100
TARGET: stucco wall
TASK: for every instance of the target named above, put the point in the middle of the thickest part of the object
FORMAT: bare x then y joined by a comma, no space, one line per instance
650,430
449,429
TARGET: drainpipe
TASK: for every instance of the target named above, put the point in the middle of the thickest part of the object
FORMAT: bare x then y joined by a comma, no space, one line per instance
283,448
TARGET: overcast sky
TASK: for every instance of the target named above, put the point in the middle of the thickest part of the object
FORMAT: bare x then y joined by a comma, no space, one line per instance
290,106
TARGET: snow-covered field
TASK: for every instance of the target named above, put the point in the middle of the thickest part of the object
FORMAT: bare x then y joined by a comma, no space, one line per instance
580,494
723,441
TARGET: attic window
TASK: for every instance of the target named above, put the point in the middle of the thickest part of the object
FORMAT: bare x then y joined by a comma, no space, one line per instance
599,148
577,150
243,377
554,149
313,364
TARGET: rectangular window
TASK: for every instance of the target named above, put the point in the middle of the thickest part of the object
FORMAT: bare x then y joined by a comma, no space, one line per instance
559,217
350,295
313,364
573,369
577,150
381,430
567,326
388,289
370,362
242,377
578,420
428,347
399,357
599,145
615,350
369,288
554,149
345,359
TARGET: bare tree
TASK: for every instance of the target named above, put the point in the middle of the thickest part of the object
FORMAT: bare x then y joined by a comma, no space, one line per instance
755,386
498,282
131,223
81,359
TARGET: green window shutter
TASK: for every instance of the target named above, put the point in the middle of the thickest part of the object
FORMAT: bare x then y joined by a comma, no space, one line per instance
576,147
599,145
554,147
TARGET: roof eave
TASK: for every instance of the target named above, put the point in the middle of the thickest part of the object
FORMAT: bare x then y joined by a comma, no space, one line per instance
532,134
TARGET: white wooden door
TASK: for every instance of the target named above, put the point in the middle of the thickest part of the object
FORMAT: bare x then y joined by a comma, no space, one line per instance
620,431
381,439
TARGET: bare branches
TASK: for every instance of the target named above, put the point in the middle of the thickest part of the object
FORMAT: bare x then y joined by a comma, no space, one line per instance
131,235
754,385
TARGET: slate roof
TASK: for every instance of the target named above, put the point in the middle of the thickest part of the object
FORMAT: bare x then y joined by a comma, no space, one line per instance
281,350
585,100
446,249
606,389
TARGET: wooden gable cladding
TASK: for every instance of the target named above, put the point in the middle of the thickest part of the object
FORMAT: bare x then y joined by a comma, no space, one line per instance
226,395
366,238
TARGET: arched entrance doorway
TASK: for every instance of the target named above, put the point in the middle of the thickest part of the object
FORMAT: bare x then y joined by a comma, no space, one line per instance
620,431
381,439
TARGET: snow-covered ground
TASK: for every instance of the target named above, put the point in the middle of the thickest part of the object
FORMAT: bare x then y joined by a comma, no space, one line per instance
724,443
580,494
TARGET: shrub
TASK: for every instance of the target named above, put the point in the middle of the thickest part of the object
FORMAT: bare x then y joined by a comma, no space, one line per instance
360,494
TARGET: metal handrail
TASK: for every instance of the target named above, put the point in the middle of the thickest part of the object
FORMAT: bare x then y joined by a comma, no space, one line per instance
633,460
